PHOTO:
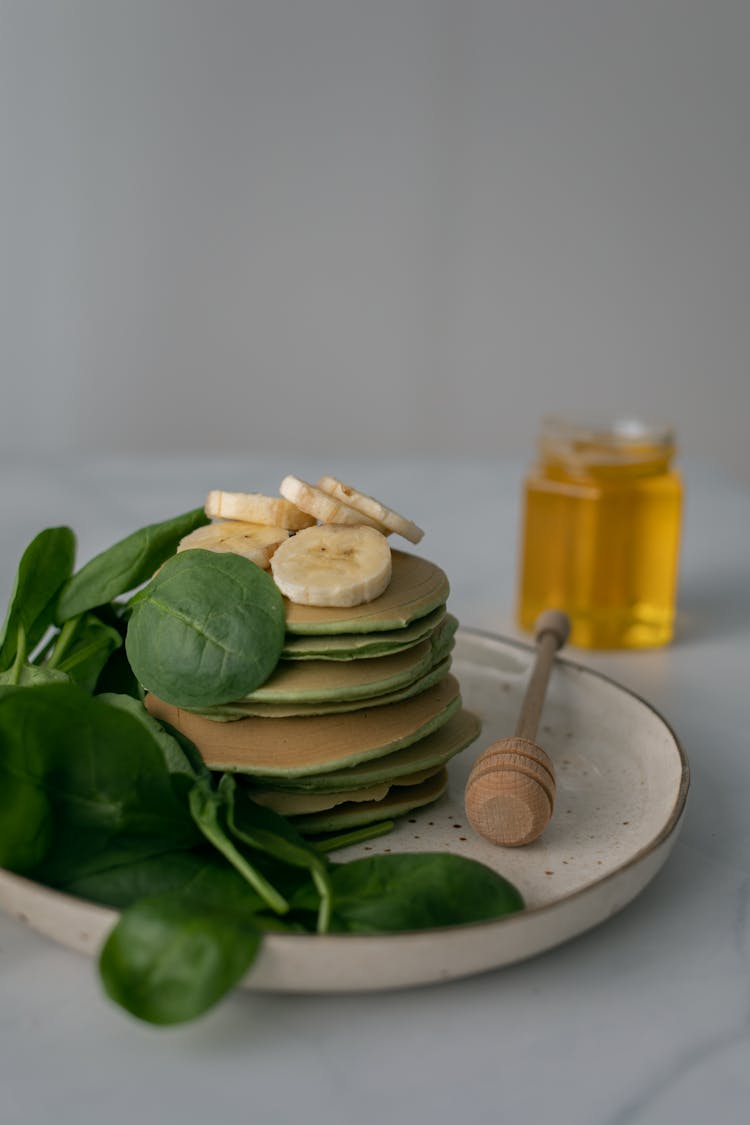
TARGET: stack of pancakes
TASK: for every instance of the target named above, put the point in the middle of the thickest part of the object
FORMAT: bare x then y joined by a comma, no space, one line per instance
361,715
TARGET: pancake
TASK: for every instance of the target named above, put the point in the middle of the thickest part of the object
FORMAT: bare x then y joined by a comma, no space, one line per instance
301,804
399,800
304,804
295,747
244,708
432,750
316,681
322,682
355,646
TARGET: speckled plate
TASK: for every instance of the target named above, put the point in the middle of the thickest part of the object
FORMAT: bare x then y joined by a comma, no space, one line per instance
622,782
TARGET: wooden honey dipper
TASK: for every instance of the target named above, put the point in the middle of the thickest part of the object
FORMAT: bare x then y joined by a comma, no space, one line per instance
510,793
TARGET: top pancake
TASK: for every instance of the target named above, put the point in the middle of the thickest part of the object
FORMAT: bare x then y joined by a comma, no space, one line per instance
417,587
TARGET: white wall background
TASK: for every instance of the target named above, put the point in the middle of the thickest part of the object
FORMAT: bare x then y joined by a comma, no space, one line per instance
339,225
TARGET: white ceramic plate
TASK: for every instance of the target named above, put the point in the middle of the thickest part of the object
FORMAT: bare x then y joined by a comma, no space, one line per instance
622,782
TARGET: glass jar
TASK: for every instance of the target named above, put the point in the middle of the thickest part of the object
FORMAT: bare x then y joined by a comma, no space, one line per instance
601,533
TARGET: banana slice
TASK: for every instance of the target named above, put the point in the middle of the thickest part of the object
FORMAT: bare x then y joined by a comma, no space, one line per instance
333,565
371,507
254,541
327,509
253,507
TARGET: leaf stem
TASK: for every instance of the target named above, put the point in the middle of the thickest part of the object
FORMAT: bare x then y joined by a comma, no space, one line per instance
356,836
80,655
258,882
323,885
18,663
205,809
62,644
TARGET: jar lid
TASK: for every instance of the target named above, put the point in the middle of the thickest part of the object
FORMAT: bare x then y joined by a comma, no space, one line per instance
594,445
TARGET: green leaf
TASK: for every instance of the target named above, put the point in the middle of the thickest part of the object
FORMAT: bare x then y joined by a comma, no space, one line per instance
26,829
179,754
123,884
125,565
264,829
209,812
385,893
45,565
109,795
89,646
170,958
30,675
208,629
117,676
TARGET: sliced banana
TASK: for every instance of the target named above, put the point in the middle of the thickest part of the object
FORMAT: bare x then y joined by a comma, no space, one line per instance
253,507
372,508
326,508
254,541
333,565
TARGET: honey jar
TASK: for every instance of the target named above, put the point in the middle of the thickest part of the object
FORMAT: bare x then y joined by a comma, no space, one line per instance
601,532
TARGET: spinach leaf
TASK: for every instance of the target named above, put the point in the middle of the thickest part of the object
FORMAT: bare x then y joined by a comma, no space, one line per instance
29,675
123,884
26,829
209,812
98,772
125,565
385,893
83,647
179,754
118,678
209,628
116,675
171,957
45,565
264,829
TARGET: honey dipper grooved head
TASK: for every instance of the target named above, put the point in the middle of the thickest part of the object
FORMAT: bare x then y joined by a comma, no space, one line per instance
511,792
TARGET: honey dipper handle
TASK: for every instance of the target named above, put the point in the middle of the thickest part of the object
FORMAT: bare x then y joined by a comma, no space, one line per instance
551,631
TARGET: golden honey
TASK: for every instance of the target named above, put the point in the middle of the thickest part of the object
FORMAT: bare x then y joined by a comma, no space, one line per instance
601,533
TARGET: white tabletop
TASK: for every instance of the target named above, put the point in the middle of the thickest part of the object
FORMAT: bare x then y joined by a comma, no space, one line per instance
644,1019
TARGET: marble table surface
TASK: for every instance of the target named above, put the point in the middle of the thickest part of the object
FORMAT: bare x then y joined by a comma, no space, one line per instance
645,1018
